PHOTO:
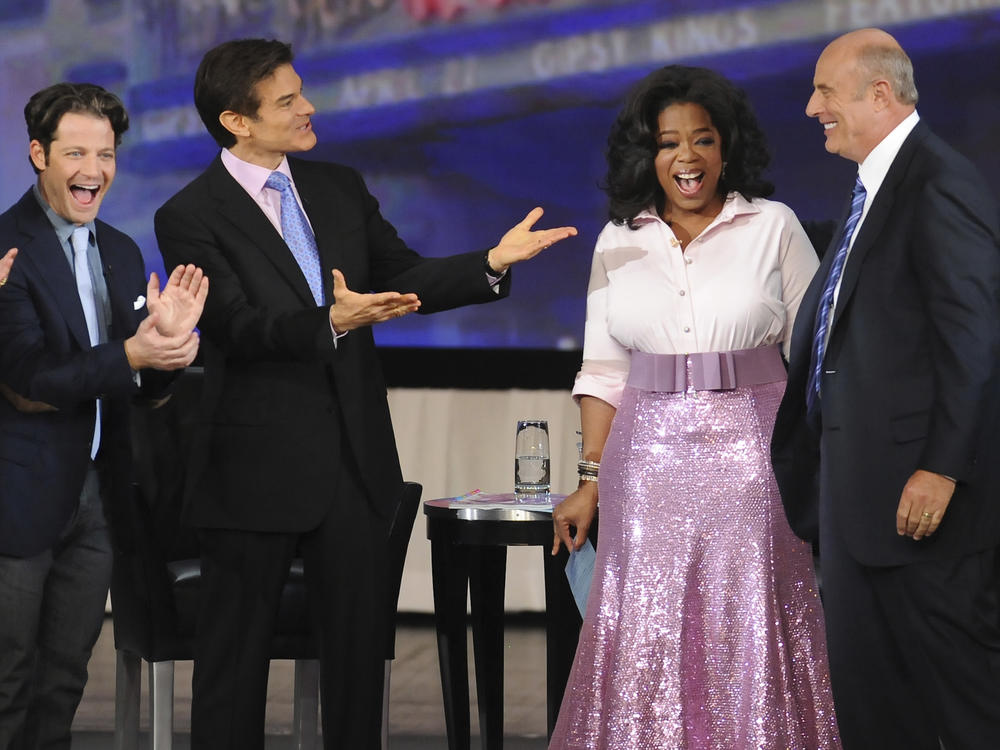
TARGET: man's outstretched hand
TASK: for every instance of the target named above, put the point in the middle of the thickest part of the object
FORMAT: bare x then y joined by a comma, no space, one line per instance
521,242
352,310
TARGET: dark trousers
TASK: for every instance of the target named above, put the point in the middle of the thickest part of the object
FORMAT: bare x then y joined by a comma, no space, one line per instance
242,577
914,650
51,611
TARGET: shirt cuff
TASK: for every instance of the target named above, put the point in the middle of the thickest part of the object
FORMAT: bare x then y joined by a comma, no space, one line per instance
337,336
495,280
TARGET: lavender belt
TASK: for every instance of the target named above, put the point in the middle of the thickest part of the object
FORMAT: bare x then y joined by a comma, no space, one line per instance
706,371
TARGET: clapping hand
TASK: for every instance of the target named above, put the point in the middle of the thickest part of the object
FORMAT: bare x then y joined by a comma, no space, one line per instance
149,348
179,304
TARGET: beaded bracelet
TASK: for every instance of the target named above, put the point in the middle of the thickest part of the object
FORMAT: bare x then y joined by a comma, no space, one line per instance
588,470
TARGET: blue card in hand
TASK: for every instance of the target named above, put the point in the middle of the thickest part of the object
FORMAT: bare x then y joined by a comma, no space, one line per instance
579,571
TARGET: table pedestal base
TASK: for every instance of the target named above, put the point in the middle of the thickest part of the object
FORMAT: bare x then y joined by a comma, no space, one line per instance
473,554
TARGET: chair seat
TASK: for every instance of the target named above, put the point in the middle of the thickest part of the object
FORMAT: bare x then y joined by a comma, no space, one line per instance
156,601
293,611
156,579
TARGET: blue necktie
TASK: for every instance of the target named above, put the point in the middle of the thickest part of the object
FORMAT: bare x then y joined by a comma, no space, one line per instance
297,234
80,240
825,309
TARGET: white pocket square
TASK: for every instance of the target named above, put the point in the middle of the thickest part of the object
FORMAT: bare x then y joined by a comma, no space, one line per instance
139,302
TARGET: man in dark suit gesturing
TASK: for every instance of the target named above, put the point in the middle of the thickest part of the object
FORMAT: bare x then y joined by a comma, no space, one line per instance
75,345
888,436
295,449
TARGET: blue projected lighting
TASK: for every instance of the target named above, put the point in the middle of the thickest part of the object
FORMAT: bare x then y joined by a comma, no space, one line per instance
462,124
22,10
107,73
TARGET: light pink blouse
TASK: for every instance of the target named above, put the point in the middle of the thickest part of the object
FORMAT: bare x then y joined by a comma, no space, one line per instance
737,285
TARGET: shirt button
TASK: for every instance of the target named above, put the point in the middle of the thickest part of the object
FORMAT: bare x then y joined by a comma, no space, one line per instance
687,329
682,292
688,261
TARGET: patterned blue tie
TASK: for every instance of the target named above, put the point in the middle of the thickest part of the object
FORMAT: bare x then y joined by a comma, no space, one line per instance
825,309
297,234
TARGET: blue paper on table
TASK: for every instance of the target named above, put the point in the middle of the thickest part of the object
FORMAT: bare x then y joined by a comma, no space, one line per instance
579,571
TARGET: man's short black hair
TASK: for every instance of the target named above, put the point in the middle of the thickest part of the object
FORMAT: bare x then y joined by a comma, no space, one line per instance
45,109
227,79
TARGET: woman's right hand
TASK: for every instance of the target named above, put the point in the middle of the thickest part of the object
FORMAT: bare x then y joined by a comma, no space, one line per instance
5,263
576,510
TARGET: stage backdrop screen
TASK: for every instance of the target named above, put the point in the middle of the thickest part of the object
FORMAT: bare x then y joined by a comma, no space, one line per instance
464,114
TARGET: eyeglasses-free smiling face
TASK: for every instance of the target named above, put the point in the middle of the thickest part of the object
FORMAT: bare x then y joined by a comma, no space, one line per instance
282,123
79,167
688,161
844,105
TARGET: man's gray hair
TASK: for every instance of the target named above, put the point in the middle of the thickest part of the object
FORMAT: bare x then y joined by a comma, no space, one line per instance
879,61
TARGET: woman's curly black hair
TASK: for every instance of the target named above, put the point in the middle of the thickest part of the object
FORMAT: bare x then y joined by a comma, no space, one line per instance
631,182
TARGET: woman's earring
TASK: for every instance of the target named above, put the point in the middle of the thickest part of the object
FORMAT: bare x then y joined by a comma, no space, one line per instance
723,175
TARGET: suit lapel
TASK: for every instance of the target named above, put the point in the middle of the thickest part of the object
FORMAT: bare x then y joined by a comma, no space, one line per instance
124,316
234,204
41,249
877,216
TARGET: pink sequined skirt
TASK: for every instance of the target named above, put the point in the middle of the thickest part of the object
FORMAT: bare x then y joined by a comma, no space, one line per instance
704,629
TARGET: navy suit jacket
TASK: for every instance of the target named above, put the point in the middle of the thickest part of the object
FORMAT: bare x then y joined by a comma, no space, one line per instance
282,404
911,371
46,357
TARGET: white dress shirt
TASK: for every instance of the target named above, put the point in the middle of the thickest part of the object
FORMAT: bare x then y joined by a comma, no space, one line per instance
872,172
737,285
252,177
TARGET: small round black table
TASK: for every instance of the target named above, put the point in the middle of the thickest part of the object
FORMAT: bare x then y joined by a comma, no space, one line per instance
469,543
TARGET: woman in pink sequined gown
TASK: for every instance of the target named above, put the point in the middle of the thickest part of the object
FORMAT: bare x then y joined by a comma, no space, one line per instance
704,628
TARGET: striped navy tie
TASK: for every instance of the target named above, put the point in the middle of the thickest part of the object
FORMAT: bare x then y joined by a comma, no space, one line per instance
825,309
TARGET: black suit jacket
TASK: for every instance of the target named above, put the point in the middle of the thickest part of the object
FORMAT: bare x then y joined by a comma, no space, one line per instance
279,396
46,356
911,377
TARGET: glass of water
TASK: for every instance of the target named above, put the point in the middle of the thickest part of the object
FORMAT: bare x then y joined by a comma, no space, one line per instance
531,457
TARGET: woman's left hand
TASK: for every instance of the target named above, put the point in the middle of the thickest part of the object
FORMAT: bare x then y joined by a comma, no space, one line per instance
521,243
575,512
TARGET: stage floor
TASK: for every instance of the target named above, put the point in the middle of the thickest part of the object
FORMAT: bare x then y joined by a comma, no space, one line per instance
416,713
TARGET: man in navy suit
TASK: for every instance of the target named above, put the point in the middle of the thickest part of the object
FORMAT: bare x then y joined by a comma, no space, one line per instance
886,444
75,346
